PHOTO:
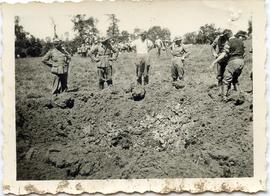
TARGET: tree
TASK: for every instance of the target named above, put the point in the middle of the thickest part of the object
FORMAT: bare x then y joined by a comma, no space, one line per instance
190,38
207,34
113,29
157,31
124,36
85,27
25,43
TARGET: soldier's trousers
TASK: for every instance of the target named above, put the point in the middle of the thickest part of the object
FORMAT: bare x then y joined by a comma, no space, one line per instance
59,83
177,69
142,69
104,75
220,71
233,71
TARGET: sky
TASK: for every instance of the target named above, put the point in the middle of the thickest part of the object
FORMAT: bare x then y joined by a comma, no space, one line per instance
179,17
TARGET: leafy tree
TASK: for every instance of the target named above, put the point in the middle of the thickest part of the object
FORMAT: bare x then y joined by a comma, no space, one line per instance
25,44
85,27
113,29
157,31
207,34
124,36
190,38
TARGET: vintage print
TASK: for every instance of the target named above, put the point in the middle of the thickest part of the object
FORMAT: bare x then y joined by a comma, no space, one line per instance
126,90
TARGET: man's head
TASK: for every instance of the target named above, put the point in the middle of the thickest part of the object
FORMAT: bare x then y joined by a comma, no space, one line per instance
227,33
177,40
241,35
142,35
57,43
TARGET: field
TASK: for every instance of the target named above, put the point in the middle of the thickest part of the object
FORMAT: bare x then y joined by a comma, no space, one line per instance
171,133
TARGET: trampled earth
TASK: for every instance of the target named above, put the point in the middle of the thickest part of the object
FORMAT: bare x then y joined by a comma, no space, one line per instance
171,133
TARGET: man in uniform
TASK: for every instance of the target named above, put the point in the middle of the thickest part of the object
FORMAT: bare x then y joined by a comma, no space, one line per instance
179,53
58,59
234,50
217,48
104,54
159,44
142,62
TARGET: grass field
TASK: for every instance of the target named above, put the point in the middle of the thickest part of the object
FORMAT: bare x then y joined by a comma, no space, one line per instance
171,133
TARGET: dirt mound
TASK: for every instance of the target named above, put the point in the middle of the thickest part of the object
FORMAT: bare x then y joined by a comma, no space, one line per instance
169,133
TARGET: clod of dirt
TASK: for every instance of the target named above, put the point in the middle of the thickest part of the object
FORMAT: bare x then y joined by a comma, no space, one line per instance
123,140
87,169
178,84
138,93
29,154
63,101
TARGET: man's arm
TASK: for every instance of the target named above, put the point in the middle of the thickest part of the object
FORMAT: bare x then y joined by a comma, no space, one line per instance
46,58
186,53
214,47
93,53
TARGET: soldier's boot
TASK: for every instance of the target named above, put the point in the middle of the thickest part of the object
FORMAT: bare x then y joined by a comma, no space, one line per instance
101,85
226,89
109,83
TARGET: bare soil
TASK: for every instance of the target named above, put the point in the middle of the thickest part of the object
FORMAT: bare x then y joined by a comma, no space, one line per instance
172,132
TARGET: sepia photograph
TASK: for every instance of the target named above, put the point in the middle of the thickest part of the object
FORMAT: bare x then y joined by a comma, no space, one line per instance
159,91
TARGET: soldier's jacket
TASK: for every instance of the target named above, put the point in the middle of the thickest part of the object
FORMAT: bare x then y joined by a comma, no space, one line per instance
178,51
57,60
234,48
103,55
219,43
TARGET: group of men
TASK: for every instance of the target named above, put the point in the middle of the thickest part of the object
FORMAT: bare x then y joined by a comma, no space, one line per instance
229,52
227,49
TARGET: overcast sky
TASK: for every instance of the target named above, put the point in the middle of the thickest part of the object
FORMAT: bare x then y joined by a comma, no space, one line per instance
179,17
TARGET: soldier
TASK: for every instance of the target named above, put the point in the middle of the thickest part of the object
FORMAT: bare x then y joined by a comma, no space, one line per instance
217,48
179,53
58,59
234,50
159,44
104,54
142,62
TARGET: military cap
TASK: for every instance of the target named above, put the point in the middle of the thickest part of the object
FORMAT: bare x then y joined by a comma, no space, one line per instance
241,33
177,38
226,31
56,40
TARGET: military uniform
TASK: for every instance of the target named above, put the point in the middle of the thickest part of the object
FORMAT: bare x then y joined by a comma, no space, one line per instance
218,45
177,68
104,56
58,61
235,51
142,61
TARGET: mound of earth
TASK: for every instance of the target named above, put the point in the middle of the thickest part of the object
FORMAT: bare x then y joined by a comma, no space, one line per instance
169,133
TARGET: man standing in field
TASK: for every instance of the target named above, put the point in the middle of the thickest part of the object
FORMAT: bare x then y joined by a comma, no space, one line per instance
58,59
217,48
142,62
179,53
234,50
159,45
104,54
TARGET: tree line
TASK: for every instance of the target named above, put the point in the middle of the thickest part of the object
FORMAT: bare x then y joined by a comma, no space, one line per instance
85,29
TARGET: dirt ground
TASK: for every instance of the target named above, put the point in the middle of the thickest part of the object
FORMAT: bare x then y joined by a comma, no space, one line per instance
186,132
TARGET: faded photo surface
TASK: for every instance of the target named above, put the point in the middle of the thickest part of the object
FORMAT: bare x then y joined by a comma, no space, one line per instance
124,91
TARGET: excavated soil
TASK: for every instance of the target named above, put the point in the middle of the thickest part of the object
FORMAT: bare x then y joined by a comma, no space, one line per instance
170,132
